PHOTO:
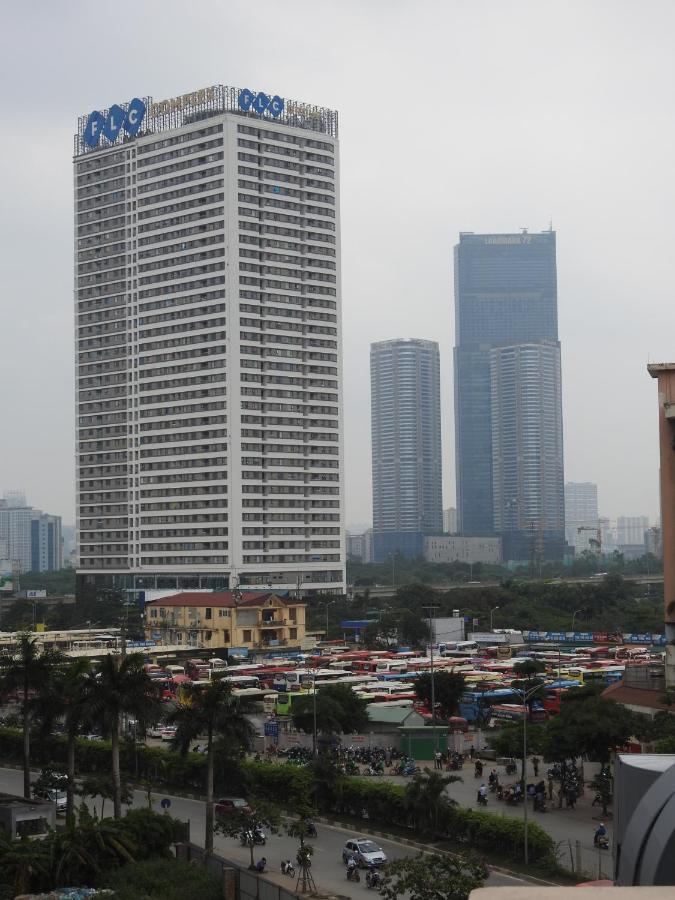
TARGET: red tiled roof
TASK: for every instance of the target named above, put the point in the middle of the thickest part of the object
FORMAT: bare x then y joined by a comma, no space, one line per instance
634,696
217,599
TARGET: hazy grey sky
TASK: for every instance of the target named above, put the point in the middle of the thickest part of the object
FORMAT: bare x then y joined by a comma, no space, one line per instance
455,115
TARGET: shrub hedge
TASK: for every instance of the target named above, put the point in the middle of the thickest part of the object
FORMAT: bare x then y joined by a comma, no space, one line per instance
378,801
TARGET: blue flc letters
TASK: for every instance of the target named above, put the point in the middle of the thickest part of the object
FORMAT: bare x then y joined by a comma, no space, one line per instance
260,103
117,119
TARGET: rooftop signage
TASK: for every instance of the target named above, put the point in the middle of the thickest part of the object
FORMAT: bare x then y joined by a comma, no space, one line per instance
260,103
109,126
101,129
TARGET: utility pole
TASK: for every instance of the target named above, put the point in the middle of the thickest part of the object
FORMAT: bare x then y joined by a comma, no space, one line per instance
431,610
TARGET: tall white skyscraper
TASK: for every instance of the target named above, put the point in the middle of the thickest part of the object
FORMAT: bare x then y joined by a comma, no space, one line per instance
406,446
209,402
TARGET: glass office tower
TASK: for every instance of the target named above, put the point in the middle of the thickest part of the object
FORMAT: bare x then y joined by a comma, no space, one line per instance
406,446
505,297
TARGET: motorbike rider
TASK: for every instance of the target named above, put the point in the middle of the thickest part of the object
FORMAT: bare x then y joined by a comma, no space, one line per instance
482,794
372,876
600,834
351,866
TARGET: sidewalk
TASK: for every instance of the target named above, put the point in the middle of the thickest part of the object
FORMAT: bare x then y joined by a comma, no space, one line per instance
566,826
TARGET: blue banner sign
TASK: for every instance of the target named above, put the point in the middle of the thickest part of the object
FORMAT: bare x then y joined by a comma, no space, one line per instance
117,120
593,637
260,103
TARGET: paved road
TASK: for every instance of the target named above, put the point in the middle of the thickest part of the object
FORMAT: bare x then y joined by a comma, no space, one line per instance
566,826
327,869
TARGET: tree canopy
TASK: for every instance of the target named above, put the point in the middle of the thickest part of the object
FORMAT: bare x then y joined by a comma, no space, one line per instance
433,877
338,711
448,688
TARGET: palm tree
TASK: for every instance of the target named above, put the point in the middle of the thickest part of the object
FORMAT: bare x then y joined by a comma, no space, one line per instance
212,710
27,673
425,795
65,698
120,687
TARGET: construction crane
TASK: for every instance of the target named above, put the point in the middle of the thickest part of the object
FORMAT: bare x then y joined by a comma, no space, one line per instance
595,542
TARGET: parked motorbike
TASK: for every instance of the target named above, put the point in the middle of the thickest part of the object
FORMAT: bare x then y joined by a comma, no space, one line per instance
253,836
287,868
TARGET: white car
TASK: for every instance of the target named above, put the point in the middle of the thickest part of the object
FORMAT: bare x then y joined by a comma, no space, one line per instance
169,732
364,851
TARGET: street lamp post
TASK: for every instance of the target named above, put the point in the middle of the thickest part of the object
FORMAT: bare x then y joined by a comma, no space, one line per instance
574,615
329,603
393,570
492,612
315,748
525,696
431,610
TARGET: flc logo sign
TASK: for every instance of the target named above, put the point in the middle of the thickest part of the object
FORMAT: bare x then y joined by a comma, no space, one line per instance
260,103
117,119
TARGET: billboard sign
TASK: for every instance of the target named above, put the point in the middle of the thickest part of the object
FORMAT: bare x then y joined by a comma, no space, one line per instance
36,595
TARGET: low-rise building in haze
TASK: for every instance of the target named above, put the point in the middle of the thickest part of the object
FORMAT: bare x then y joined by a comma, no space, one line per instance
360,546
454,548
631,529
450,520
226,619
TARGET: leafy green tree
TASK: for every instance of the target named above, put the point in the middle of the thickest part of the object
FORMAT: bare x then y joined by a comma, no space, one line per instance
26,674
396,627
426,798
103,786
448,688
595,727
338,711
508,741
25,864
164,879
242,822
120,687
433,877
214,711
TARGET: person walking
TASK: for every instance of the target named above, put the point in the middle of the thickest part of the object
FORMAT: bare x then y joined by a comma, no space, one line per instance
535,765
550,788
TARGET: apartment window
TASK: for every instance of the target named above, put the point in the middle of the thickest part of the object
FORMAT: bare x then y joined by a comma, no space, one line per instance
226,636
209,612
223,614
208,635
293,634
292,614
247,635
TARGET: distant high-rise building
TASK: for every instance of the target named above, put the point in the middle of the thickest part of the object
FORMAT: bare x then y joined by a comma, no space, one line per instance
360,546
506,331
46,542
15,499
631,529
581,511
30,538
527,462
450,520
208,351
406,445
